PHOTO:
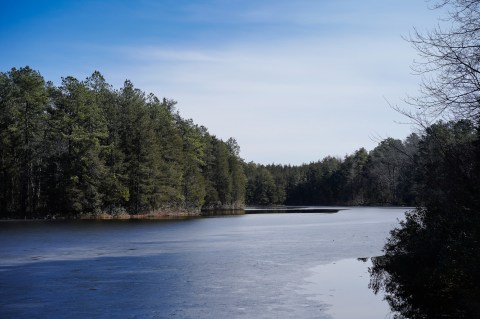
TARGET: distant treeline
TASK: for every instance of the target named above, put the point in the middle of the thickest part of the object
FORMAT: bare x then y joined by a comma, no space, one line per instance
393,173
86,148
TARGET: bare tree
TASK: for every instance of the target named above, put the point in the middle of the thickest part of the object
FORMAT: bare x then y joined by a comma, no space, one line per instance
449,65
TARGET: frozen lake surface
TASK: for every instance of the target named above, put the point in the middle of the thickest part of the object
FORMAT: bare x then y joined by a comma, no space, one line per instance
247,266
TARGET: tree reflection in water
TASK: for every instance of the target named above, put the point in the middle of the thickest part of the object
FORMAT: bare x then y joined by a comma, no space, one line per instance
430,272
431,265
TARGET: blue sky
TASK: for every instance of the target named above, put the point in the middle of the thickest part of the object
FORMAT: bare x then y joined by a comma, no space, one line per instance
292,81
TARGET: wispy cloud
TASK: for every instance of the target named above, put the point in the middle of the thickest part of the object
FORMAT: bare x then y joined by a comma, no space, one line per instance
293,81
286,97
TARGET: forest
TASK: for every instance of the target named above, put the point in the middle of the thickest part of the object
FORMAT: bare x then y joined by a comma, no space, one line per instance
393,173
85,148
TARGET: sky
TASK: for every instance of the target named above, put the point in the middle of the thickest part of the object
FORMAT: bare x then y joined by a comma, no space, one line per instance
291,81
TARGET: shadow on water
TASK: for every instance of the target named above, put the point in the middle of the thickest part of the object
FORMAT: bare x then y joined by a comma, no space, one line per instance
431,267
291,209
271,210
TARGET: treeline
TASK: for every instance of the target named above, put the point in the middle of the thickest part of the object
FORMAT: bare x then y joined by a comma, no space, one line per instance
393,173
83,147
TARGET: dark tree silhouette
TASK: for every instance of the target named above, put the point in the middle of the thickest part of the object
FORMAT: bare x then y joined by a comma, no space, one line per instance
431,266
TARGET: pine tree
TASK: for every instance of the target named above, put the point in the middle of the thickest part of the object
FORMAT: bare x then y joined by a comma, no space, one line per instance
193,163
22,111
170,153
139,144
77,127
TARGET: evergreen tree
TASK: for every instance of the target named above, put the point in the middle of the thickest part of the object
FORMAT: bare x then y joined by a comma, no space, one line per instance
113,176
139,145
22,111
353,171
169,159
222,178
76,127
237,175
193,138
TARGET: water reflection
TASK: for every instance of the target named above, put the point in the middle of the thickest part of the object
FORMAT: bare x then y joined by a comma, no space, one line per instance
292,209
431,268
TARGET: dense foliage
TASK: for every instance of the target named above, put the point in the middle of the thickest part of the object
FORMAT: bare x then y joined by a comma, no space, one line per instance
431,266
83,148
383,176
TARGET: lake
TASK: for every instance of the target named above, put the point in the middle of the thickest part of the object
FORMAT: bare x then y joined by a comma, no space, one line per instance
287,265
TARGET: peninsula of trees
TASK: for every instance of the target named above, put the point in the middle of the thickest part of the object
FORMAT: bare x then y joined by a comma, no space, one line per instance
85,148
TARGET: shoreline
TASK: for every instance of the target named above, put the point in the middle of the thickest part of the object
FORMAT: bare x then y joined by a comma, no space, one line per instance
162,215
178,214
